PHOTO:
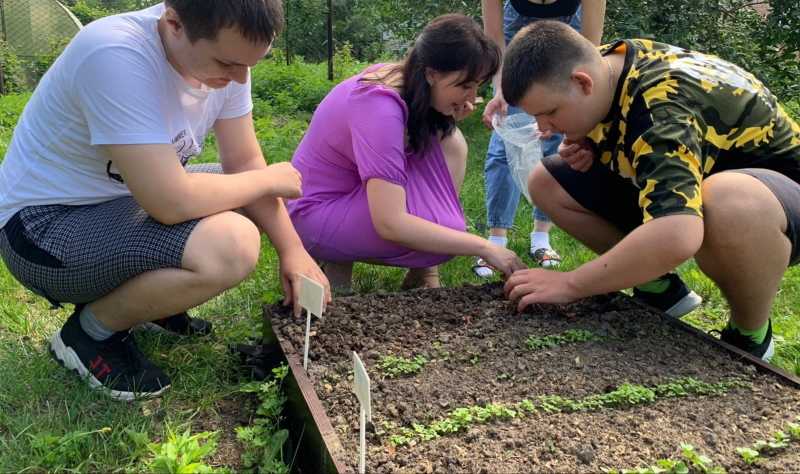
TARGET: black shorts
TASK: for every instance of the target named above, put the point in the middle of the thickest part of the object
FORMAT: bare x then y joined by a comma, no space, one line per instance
616,199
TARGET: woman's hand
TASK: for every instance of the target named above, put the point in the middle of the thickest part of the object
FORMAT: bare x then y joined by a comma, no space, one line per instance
502,259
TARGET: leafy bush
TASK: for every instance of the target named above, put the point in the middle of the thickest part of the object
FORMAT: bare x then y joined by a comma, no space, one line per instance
89,11
299,86
730,29
279,137
12,70
41,64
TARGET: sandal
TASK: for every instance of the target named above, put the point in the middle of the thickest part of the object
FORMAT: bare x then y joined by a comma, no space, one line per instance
546,257
421,278
482,269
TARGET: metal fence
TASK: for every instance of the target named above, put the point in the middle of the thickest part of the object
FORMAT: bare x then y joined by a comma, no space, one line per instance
31,27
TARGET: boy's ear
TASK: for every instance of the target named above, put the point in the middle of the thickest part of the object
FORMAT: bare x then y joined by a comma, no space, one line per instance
583,80
173,21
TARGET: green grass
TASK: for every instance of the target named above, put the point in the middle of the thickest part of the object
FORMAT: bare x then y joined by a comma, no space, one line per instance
40,402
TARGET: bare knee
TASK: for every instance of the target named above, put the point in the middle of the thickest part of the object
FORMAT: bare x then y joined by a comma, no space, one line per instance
735,205
224,248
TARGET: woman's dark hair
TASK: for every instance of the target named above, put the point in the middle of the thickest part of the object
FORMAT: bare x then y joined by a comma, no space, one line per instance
259,21
449,43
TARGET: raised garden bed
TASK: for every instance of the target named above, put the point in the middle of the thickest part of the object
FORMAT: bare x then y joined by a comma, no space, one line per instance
460,383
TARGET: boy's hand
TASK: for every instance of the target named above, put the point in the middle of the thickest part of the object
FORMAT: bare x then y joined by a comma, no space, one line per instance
578,154
284,181
292,265
537,285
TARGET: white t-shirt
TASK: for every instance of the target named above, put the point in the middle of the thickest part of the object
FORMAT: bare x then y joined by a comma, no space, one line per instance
112,85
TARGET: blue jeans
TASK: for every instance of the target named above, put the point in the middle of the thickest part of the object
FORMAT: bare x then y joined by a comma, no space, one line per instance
502,194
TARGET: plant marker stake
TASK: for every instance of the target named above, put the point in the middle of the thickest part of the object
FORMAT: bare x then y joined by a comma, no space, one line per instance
311,296
361,388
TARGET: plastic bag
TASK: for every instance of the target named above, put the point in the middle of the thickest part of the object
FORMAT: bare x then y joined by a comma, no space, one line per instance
520,134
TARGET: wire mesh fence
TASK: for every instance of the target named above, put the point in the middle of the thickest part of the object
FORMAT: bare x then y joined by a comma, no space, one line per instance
30,30
31,27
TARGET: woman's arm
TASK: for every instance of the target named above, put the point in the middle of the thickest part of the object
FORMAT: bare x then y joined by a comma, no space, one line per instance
594,14
392,222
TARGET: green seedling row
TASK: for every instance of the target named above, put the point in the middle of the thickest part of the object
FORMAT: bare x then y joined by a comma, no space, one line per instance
691,461
780,441
625,395
571,336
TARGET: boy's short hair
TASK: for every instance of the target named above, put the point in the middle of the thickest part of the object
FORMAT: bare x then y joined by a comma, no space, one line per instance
546,52
259,21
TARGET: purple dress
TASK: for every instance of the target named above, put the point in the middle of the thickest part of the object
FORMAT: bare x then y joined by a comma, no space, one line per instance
357,134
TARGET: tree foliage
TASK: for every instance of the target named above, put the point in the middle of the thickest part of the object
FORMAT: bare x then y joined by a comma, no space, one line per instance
766,44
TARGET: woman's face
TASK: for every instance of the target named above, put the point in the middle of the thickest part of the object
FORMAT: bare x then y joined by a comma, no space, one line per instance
449,93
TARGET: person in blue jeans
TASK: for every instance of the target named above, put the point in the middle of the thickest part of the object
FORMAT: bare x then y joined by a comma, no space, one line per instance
501,21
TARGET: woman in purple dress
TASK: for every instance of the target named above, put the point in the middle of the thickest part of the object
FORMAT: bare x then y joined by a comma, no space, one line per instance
383,161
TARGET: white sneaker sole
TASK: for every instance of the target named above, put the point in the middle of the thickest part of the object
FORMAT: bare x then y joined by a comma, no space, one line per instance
770,351
69,359
686,305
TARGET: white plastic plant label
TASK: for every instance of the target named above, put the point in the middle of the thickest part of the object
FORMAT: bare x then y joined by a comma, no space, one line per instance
361,385
312,294
361,388
311,297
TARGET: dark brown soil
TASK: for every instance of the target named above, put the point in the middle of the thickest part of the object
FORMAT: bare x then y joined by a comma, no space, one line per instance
477,355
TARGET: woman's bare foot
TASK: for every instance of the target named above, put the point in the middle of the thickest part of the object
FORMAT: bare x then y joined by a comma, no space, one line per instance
340,275
422,278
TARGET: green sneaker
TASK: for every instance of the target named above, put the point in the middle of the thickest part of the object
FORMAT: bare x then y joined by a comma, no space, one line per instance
764,351
677,300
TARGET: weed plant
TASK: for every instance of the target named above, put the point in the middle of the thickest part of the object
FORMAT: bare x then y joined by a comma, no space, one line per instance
264,438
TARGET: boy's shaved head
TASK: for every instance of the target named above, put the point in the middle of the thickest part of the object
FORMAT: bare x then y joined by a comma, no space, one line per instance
544,52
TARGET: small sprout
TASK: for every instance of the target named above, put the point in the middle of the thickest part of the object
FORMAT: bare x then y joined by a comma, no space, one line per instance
749,456
794,431
780,440
392,366
761,445
672,466
527,405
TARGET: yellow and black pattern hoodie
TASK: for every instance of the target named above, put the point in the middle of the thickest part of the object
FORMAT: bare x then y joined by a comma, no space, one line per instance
679,116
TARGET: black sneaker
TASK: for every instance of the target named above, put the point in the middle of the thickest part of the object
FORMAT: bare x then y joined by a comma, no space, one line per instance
116,365
677,300
181,324
764,351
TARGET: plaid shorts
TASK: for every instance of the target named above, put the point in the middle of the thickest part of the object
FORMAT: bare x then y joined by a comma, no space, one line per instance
77,254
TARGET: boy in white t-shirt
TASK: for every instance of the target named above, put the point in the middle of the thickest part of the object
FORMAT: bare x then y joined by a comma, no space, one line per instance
96,207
